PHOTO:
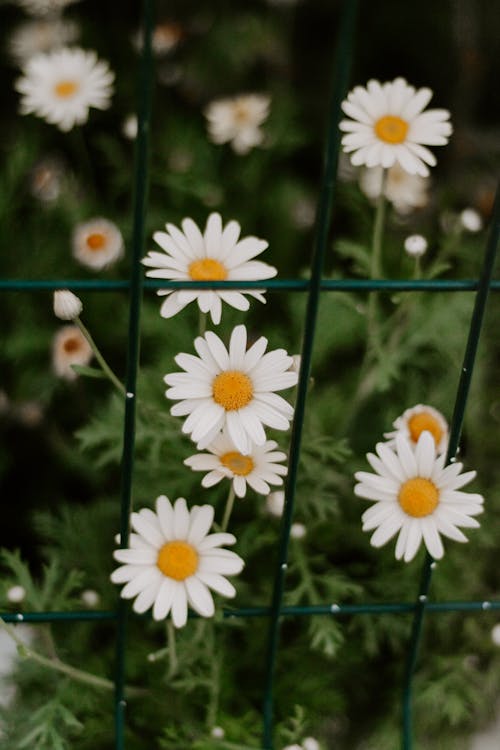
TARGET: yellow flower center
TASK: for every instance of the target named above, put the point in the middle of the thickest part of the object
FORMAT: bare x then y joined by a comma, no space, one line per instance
96,241
391,129
424,421
207,269
177,560
65,89
418,497
232,390
237,463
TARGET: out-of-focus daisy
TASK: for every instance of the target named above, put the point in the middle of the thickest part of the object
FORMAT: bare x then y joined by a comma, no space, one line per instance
388,125
237,121
216,255
233,389
165,38
414,421
218,733
67,306
90,598
42,35
275,503
16,594
62,85
44,7
46,180
310,743
471,220
405,191
97,243
259,468
173,561
130,127
415,495
298,531
415,245
69,347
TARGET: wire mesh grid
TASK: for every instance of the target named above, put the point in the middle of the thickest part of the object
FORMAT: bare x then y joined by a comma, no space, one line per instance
313,287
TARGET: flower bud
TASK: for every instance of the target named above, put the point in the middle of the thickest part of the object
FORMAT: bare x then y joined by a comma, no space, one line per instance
67,306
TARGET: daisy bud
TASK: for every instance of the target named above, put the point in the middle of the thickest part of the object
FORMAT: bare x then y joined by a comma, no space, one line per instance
67,306
495,634
471,220
297,531
218,733
16,594
90,598
415,245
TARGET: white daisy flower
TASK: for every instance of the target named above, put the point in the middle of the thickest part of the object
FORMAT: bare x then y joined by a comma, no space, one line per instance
173,561
67,306
90,598
130,127
236,120
97,243
415,245
232,389
388,125
216,255
46,180
416,495
414,421
471,220
259,468
61,86
403,190
44,7
69,347
16,594
40,35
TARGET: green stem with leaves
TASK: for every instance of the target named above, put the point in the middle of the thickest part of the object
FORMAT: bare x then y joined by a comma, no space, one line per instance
104,365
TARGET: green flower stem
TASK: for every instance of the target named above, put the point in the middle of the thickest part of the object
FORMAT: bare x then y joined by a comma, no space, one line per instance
173,662
214,681
229,508
373,343
59,666
104,365
202,323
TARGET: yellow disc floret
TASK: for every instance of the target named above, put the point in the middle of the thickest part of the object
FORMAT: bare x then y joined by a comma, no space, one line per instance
207,269
65,89
96,241
177,560
391,129
424,420
232,389
237,463
418,497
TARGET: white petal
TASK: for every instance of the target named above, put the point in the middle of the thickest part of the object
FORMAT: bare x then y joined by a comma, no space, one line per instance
217,350
146,578
179,605
165,515
150,532
218,583
431,538
200,525
199,597
181,519
414,539
136,556
164,599
147,596
237,347
216,540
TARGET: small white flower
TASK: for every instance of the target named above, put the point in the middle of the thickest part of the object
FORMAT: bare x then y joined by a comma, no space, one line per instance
173,561
130,127
471,220
44,7
61,86
259,468
69,347
42,35
233,389
405,191
388,125
90,598
16,594
275,503
413,493
298,531
495,634
310,743
67,306
216,255
218,733
237,120
97,243
414,421
415,245
46,180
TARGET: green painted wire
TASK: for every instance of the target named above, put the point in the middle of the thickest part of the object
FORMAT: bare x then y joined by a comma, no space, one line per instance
455,433
341,72
145,87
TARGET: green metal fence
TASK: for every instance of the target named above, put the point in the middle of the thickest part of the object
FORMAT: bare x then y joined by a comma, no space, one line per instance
314,287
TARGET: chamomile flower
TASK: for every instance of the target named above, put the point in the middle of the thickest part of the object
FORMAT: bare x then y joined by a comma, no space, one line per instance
61,86
405,191
97,243
40,35
70,347
237,121
259,468
173,561
233,389
216,255
414,421
416,495
388,126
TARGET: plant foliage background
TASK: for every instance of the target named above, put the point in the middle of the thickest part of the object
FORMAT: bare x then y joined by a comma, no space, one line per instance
338,679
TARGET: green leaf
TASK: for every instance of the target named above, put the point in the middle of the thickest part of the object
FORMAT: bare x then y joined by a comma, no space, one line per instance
89,372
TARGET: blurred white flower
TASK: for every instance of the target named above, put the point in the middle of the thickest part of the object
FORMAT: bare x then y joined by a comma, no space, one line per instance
69,347
405,191
471,220
90,598
46,180
44,7
97,243
412,422
129,127
218,733
310,743
236,120
495,634
165,38
16,594
61,86
41,35
298,531
415,245
275,503
67,306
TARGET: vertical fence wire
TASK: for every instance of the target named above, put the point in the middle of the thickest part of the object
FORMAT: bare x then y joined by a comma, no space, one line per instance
341,80
455,433
145,85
